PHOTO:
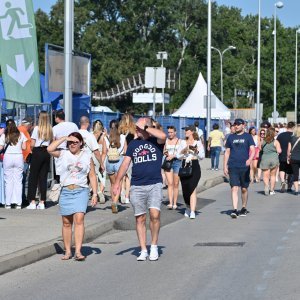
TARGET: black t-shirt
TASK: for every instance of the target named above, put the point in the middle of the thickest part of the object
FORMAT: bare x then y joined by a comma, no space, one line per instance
295,153
146,156
284,138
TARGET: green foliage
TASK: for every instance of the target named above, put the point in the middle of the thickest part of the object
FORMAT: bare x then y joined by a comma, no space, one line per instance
123,37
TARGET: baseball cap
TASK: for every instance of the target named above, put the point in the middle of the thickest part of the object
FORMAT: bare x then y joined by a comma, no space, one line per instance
27,121
189,127
239,122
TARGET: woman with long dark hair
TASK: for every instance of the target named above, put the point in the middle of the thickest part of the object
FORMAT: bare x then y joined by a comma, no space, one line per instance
253,166
75,167
41,138
191,150
13,142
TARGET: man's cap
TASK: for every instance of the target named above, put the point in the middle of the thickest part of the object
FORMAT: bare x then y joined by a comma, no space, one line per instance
239,122
189,127
27,121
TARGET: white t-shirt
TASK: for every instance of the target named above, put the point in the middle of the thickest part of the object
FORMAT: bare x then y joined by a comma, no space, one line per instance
35,136
122,143
191,155
13,149
64,129
200,132
90,141
73,169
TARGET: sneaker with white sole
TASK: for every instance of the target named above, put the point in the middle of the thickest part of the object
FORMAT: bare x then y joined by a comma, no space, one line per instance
153,253
192,215
272,193
7,207
187,213
143,256
18,207
31,206
127,201
41,206
123,197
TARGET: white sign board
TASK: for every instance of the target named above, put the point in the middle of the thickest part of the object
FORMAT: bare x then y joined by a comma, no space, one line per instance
155,78
148,98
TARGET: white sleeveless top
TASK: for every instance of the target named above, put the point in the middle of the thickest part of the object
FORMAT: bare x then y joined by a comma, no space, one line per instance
73,169
173,149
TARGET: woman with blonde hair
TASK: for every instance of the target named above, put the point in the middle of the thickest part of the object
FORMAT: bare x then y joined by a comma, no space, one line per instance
269,161
13,142
127,128
41,138
293,157
113,153
100,134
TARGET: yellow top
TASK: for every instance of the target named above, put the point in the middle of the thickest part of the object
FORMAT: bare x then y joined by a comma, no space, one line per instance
216,138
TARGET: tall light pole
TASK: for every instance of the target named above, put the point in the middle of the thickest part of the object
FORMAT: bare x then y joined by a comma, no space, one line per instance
278,4
162,55
208,79
258,68
221,63
296,76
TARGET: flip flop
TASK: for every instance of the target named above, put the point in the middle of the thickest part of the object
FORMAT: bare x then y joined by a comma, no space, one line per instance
66,257
79,257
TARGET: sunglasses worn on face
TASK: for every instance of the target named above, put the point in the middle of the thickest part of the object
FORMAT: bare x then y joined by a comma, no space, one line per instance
73,143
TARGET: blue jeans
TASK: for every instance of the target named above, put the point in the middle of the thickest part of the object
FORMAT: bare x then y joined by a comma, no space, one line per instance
214,156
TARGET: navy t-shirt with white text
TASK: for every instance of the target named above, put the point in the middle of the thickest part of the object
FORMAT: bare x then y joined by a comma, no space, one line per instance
146,157
239,146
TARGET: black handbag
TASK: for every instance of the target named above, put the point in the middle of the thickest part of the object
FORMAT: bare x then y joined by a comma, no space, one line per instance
186,170
167,165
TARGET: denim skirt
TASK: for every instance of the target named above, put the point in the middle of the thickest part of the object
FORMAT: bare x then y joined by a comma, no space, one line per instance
73,201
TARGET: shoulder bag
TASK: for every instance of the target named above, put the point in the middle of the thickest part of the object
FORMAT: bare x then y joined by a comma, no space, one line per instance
3,152
167,164
186,169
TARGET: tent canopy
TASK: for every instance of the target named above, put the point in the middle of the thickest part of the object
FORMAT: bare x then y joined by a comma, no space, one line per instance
194,105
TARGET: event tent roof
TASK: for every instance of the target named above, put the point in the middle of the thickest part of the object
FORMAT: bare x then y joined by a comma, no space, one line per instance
194,105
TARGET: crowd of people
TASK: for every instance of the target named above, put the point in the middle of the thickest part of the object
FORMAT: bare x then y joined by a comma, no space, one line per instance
137,157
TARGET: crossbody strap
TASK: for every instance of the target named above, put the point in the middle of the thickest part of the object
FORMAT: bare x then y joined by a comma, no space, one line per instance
295,144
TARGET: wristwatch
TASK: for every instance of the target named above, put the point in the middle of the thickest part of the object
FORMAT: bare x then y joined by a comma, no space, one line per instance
146,127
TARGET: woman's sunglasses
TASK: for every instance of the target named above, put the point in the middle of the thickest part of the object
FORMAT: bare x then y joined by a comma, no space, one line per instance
73,143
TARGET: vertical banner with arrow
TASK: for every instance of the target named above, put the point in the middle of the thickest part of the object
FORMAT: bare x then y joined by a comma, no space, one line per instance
18,55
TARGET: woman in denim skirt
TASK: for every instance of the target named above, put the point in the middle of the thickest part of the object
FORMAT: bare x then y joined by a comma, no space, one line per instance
75,165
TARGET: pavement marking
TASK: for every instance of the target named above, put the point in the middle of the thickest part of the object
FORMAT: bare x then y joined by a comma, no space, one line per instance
273,260
268,274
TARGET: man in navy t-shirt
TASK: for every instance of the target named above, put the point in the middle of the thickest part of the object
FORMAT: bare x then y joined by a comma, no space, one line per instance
146,182
238,156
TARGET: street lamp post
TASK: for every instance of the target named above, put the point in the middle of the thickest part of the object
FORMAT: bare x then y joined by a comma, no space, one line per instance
258,68
278,4
296,76
208,107
221,63
162,55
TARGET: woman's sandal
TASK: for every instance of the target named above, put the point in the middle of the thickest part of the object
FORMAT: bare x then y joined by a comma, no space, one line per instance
79,257
169,206
66,257
175,206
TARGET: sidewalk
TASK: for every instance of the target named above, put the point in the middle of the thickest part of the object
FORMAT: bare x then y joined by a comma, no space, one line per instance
31,235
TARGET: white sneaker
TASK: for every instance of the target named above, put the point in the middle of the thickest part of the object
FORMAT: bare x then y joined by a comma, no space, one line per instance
18,207
41,206
7,206
187,213
272,193
31,206
153,253
143,255
127,200
101,198
123,197
192,215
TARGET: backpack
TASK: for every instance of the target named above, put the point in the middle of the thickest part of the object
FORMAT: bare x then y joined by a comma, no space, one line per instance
113,155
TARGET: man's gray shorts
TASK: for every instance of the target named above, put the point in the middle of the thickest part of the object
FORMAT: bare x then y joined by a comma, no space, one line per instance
144,197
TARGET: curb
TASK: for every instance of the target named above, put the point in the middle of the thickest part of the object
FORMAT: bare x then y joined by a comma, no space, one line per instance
44,250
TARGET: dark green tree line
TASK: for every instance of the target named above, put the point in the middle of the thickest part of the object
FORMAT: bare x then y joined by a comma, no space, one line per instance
123,37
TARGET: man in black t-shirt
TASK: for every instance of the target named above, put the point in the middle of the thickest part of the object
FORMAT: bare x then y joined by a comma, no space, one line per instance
285,169
146,182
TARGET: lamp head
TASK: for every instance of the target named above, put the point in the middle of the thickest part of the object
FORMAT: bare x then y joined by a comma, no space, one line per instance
298,30
279,4
232,47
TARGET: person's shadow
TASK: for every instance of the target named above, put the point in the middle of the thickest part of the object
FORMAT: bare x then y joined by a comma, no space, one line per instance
86,250
136,250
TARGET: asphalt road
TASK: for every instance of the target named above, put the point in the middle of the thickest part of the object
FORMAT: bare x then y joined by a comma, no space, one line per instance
211,257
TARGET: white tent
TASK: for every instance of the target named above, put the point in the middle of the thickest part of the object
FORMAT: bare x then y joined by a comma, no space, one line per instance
195,104
101,109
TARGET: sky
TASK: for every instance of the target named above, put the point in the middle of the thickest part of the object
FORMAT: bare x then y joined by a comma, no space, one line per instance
289,15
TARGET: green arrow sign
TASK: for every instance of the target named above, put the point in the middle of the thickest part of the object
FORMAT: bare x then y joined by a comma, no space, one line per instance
18,56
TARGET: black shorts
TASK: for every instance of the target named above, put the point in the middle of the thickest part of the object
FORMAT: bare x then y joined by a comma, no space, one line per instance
285,167
239,177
